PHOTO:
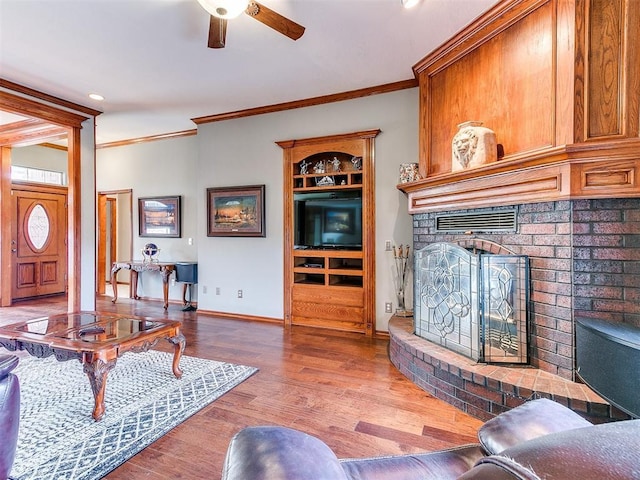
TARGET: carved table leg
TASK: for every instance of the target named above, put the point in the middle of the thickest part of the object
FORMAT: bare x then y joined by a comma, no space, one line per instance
114,283
97,372
134,284
166,273
179,343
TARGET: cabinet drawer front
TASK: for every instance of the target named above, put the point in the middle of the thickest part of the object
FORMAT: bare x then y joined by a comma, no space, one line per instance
348,296
345,325
327,311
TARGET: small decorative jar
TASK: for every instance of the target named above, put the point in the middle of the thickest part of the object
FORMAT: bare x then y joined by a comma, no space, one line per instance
409,172
472,146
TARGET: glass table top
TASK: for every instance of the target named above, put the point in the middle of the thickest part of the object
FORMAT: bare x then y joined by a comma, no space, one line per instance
89,327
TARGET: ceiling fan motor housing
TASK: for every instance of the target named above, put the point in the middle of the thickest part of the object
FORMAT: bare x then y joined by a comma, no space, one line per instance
224,8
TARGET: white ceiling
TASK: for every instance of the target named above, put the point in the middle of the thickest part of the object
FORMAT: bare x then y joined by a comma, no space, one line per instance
149,58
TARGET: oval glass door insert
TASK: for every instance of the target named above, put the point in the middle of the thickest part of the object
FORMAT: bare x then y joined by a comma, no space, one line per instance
38,227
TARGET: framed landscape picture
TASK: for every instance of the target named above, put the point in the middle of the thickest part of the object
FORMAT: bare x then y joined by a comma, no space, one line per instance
159,216
235,211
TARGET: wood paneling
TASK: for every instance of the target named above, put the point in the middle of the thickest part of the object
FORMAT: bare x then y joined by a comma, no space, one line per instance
557,81
491,85
605,77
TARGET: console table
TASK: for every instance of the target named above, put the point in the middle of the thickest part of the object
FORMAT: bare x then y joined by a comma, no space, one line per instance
166,269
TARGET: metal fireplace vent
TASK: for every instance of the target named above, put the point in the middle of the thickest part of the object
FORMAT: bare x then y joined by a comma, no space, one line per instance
473,304
492,221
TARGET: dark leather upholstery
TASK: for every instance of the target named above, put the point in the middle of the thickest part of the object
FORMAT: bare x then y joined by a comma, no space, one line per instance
443,465
599,452
278,453
530,420
9,413
538,440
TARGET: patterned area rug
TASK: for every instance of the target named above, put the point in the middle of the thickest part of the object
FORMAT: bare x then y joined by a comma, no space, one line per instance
60,440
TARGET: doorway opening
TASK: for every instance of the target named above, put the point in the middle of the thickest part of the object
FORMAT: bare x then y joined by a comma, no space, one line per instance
115,241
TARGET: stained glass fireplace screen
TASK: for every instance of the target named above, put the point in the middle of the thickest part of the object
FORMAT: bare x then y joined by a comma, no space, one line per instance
473,304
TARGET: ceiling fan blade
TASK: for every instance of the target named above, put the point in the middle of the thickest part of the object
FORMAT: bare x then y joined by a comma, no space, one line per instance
274,20
217,32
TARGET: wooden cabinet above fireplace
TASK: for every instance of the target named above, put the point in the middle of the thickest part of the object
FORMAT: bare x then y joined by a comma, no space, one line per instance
558,81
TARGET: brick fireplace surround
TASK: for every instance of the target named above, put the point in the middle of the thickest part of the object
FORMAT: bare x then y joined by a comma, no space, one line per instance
585,262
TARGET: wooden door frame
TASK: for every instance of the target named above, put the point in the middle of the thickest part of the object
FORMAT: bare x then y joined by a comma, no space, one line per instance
101,219
71,123
101,268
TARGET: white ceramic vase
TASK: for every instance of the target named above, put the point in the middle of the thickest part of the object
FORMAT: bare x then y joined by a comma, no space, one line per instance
473,145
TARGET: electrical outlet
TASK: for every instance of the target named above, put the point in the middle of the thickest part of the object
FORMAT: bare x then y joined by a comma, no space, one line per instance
190,241
204,289
239,293
387,307
387,245
217,290
173,281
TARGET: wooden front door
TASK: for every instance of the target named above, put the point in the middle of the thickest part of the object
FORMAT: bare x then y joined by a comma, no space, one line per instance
39,242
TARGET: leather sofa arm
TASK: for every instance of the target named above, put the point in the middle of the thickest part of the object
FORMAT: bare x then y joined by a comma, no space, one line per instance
530,420
9,413
279,453
599,452
7,364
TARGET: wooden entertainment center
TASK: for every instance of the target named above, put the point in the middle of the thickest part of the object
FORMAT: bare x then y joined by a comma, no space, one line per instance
329,271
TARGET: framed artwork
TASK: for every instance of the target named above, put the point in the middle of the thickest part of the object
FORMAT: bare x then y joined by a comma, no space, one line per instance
235,211
159,216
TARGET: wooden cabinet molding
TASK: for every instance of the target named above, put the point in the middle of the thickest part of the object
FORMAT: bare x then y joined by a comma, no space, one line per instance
330,288
558,82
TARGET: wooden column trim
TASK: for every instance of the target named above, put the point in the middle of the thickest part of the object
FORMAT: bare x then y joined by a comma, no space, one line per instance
6,265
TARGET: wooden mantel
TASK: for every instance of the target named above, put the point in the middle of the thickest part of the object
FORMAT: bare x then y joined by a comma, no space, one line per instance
577,171
558,81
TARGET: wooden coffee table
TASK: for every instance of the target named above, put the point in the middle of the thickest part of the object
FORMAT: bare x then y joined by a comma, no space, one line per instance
96,339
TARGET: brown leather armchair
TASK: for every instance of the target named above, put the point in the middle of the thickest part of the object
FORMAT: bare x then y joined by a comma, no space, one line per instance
540,439
9,413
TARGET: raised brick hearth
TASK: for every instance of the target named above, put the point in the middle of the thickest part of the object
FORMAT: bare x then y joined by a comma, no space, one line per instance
481,390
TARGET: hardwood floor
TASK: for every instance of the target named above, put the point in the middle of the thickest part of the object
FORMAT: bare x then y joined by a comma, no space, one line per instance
338,386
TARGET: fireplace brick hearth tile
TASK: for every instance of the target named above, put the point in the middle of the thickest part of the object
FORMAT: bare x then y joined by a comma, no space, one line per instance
482,390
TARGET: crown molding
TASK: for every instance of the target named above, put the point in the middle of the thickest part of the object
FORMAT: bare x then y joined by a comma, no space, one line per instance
59,102
336,97
150,138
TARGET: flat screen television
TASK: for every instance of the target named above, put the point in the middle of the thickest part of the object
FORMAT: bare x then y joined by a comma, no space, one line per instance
328,220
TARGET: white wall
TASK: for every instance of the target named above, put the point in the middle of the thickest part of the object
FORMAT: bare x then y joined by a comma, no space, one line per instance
160,168
243,152
87,198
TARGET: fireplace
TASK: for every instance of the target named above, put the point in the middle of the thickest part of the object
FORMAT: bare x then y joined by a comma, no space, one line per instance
584,258
584,263
473,301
